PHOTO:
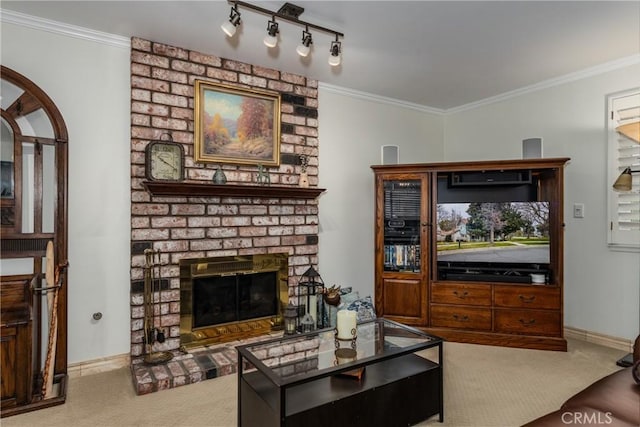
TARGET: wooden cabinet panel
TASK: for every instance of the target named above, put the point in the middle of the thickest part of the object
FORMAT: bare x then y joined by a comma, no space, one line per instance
402,297
529,322
15,299
15,340
458,293
451,316
8,360
15,369
544,297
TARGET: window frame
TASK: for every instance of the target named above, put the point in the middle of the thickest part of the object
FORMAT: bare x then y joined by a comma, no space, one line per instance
617,238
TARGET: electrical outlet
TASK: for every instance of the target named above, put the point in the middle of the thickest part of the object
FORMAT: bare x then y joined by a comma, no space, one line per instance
578,210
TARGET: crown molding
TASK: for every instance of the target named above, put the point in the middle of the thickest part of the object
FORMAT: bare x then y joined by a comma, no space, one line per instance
567,78
380,99
11,17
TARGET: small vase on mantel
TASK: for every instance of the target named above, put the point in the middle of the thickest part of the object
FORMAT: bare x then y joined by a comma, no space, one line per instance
219,177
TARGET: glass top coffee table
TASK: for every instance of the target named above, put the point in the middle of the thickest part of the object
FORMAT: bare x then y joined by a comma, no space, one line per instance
314,379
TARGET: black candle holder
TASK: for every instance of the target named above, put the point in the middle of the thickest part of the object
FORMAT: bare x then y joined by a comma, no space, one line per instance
351,340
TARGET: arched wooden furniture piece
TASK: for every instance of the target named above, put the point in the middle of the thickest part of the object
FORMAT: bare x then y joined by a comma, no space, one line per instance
33,208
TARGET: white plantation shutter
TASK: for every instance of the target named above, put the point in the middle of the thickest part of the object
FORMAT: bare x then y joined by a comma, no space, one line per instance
624,207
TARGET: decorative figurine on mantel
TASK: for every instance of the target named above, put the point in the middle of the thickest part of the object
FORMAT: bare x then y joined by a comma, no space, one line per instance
304,178
263,177
219,177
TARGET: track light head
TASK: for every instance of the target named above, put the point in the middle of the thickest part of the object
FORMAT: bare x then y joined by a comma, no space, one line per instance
303,48
271,39
625,180
335,53
229,27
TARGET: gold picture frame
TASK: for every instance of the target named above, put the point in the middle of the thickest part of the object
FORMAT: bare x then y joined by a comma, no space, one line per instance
235,125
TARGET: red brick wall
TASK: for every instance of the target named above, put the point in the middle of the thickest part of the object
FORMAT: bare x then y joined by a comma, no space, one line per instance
162,99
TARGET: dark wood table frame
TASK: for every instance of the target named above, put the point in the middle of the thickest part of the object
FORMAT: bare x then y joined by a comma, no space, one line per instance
398,387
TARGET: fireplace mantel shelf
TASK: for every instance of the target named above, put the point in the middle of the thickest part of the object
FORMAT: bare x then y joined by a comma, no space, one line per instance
198,189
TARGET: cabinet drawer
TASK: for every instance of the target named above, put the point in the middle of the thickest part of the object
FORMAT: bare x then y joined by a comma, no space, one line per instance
527,297
461,294
530,322
15,298
452,316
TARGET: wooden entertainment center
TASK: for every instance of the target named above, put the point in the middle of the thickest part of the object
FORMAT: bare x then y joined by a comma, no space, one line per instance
496,277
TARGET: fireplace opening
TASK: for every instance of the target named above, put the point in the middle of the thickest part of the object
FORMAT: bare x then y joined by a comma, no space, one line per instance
224,299
230,298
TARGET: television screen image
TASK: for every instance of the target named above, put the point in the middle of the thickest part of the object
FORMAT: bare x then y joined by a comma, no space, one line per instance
506,238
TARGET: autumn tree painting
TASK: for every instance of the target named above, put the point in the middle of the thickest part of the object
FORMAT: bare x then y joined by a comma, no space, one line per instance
237,127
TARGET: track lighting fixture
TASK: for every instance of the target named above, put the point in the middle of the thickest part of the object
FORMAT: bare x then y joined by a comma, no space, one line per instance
229,27
303,48
335,53
271,39
288,12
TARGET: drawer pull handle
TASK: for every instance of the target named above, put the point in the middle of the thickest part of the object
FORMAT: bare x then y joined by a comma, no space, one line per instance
528,322
461,295
527,299
461,318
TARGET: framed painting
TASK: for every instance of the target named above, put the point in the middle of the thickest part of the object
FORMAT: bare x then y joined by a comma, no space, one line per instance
235,125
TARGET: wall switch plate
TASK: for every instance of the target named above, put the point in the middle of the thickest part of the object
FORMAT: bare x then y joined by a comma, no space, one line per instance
578,210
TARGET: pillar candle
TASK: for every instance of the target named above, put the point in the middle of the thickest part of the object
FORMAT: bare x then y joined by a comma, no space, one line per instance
346,322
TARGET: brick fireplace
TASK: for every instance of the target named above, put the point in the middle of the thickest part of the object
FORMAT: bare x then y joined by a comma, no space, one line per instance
186,226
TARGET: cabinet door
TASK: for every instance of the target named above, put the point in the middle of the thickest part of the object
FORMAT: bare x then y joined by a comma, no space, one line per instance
16,376
8,347
401,239
402,300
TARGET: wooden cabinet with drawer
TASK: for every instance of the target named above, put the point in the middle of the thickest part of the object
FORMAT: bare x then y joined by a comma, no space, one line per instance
535,296
459,293
477,286
528,322
458,317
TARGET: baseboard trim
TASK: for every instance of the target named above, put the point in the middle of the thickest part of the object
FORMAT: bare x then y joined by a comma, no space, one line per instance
600,339
97,366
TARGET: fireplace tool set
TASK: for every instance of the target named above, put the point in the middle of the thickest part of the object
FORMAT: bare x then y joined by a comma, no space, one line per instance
152,333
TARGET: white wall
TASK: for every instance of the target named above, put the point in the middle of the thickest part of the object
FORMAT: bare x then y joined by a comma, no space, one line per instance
351,131
89,83
601,286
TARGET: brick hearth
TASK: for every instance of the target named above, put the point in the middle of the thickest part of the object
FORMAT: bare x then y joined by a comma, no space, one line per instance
198,364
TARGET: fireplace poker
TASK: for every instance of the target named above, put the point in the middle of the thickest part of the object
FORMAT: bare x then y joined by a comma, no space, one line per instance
153,284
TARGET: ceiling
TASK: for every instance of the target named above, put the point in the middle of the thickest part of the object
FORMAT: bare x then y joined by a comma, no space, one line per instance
437,54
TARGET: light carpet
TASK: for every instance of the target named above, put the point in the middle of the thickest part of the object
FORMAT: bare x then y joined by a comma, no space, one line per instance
483,386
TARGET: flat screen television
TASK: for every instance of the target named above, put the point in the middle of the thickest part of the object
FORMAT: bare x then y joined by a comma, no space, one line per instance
493,241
